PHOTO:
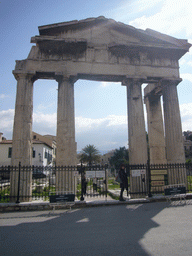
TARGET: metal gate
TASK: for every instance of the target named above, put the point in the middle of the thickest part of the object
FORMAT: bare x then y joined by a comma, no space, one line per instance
93,181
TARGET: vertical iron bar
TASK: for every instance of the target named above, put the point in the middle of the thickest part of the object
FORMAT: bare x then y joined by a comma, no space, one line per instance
149,177
17,202
81,170
105,182
128,174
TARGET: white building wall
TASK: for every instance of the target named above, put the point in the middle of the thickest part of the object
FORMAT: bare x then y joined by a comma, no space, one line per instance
4,150
39,159
40,155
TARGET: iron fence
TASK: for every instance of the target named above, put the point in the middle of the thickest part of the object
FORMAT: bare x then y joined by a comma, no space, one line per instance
28,183
94,181
151,179
39,182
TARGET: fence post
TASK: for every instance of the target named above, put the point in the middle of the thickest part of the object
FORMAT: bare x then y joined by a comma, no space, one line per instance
128,177
81,170
149,178
17,202
106,181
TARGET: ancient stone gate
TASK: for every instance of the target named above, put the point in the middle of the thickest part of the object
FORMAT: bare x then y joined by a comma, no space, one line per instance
103,50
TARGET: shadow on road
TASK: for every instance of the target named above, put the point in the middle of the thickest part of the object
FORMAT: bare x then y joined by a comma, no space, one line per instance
111,230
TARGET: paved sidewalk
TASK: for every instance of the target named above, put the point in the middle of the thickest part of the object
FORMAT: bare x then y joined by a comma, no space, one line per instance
39,205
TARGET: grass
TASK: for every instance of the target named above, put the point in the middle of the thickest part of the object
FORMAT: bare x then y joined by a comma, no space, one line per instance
4,195
112,184
45,193
189,179
113,196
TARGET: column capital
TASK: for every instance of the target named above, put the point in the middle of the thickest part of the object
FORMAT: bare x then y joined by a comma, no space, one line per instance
68,78
165,82
130,81
24,75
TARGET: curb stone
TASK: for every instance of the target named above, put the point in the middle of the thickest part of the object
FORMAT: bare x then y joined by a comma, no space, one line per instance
40,206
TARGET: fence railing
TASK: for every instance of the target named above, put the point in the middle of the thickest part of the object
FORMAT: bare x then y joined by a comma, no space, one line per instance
26,183
151,179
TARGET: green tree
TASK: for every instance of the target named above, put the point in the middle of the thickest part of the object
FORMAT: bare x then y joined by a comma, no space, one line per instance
90,154
120,155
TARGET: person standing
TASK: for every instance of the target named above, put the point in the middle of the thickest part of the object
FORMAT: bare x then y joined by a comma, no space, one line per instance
123,182
84,184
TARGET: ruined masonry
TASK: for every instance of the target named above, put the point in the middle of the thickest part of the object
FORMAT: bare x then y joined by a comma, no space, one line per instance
103,50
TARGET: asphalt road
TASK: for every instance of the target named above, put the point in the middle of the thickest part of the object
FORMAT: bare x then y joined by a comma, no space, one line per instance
143,229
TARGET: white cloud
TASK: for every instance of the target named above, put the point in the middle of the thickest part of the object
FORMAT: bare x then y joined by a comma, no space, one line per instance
171,19
105,133
187,76
144,5
128,8
117,120
186,116
46,119
83,124
182,62
6,120
189,63
106,84
44,123
3,96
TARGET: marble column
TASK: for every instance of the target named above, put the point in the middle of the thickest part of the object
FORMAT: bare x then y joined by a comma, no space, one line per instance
136,124
22,136
137,136
173,133
173,129
156,138
66,146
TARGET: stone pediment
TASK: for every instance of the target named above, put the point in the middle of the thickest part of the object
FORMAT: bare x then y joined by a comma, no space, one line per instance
75,36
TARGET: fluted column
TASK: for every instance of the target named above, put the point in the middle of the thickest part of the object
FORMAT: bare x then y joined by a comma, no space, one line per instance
66,146
22,129
22,137
173,130
173,133
155,130
137,136
136,124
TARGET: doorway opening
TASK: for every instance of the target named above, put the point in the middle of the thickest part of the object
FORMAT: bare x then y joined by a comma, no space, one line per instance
101,115
44,122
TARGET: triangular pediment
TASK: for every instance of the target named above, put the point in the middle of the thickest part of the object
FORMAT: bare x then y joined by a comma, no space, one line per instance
102,31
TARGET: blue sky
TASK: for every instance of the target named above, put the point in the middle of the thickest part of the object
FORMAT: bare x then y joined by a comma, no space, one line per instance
100,107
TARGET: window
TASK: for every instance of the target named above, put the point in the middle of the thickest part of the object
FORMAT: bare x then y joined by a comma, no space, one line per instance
9,152
49,157
33,153
34,137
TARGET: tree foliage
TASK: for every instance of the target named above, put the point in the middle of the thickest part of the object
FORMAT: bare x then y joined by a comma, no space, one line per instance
188,149
188,135
121,155
90,154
